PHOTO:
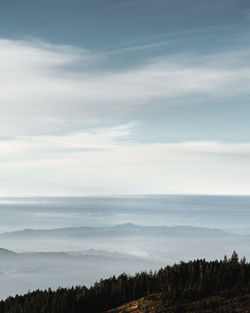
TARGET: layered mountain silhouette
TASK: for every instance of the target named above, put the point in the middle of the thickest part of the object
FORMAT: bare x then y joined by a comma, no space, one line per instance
118,230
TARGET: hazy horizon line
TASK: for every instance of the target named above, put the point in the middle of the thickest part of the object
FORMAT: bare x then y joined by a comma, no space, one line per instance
126,195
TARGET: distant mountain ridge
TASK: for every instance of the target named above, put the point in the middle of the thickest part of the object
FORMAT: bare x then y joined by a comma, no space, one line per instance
121,230
92,253
23,271
5,253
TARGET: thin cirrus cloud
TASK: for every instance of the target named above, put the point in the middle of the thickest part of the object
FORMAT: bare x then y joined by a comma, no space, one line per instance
41,92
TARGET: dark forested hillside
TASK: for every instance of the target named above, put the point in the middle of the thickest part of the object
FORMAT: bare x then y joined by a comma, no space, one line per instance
175,286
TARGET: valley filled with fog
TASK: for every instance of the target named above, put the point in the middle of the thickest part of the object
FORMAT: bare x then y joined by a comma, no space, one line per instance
52,242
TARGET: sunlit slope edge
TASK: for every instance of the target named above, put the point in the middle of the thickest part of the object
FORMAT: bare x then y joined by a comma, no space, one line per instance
155,303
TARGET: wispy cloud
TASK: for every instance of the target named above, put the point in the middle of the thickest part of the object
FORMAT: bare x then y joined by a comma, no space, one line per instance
54,99
41,92
31,147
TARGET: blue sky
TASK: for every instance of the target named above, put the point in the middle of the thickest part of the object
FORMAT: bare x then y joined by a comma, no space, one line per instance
124,97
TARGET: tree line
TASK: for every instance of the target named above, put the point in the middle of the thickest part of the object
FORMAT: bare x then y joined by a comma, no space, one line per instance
185,281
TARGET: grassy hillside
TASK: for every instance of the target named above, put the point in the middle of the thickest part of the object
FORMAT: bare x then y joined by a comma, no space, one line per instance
155,303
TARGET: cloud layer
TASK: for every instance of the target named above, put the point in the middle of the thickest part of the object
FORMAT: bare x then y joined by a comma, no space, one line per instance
102,162
42,92
54,99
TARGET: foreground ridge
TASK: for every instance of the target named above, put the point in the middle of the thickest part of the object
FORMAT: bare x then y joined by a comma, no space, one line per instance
195,286
156,303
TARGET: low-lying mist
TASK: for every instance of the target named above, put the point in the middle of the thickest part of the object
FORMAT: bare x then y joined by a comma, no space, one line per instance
52,242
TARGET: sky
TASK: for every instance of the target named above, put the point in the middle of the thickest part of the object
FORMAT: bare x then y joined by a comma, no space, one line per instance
121,97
